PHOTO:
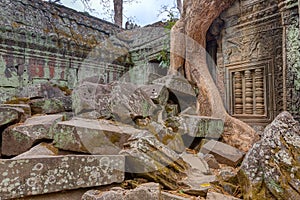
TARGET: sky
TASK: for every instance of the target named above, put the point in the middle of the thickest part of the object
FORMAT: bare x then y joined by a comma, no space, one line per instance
142,13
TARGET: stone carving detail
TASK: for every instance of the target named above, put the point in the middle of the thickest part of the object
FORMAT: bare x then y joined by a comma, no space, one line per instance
251,57
259,92
249,93
238,93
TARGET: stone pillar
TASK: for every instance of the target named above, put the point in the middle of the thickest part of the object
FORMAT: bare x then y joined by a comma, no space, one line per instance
289,10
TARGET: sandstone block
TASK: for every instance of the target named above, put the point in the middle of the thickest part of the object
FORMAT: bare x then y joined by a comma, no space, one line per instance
270,169
50,106
41,90
33,176
158,93
181,91
92,136
25,107
10,116
92,97
218,196
40,150
149,191
197,126
19,138
223,153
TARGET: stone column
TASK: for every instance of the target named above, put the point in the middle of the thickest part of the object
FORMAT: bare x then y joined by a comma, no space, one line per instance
289,10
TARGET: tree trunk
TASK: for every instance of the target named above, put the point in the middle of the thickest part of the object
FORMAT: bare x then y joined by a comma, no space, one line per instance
188,41
118,12
179,6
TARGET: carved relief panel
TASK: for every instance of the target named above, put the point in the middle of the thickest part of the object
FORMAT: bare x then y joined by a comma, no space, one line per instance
250,60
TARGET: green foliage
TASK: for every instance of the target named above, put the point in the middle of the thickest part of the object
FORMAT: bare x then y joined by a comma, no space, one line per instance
164,55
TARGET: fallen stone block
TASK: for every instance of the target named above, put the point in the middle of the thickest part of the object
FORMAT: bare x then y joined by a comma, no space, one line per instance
211,161
158,93
25,107
41,90
270,170
147,191
169,196
199,177
20,138
218,196
223,153
129,102
196,162
197,126
92,136
92,97
33,176
149,158
9,116
181,91
50,106
40,150
166,136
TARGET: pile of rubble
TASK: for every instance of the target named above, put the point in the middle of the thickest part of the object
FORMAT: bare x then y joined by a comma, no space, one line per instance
126,141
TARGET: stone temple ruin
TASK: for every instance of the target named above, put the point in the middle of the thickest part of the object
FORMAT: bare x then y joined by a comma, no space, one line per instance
87,113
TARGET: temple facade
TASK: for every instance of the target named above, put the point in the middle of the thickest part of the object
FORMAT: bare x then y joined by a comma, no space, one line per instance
256,47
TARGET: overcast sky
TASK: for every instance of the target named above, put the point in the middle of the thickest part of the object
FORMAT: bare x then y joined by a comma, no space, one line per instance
145,12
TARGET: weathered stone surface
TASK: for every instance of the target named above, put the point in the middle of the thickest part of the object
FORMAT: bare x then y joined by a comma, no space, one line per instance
199,177
223,153
166,136
57,173
10,116
196,162
147,191
182,91
129,102
92,97
51,106
158,93
197,126
40,150
149,158
42,90
25,107
21,137
211,161
218,196
271,168
169,196
92,136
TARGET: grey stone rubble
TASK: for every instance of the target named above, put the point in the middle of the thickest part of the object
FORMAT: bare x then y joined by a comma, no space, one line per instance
142,123
20,138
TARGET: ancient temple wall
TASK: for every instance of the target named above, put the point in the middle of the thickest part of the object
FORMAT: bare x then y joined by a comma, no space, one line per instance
250,62
47,42
291,47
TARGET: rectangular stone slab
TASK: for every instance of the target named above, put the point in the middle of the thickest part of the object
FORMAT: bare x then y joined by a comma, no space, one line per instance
223,153
100,137
33,176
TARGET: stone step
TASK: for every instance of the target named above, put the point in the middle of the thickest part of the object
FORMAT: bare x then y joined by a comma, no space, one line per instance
33,176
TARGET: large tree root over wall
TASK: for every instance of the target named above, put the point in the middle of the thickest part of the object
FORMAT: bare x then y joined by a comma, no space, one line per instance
188,55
